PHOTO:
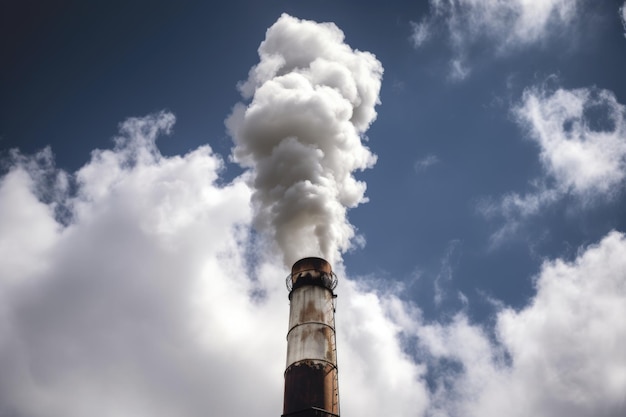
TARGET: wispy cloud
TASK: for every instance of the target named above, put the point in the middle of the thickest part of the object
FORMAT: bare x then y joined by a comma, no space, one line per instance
622,15
459,70
420,33
507,25
581,136
514,210
426,162
448,264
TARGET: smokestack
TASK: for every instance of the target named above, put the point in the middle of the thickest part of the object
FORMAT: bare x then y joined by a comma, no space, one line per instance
311,385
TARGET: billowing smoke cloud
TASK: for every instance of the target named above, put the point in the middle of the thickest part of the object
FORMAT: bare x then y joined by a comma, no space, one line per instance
312,99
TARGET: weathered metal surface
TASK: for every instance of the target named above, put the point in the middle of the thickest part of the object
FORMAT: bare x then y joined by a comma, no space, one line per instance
312,385
311,412
311,271
311,373
311,342
311,325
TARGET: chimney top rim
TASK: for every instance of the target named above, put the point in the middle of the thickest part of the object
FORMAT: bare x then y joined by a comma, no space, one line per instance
311,262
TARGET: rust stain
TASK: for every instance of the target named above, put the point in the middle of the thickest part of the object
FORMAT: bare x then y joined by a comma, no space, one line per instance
310,384
309,312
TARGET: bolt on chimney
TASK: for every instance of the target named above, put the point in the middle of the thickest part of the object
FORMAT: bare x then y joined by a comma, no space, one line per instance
311,384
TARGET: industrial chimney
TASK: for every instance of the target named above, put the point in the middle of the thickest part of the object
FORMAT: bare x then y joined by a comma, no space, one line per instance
311,385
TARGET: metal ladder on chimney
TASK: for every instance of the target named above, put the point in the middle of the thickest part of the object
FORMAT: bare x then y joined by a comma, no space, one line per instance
334,347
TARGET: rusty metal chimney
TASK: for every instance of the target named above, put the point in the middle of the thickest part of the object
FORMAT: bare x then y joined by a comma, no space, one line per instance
311,385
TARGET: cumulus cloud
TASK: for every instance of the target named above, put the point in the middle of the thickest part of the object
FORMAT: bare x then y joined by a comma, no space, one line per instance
560,355
504,24
145,302
312,97
581,137
99,317
377,322
581,134
569,338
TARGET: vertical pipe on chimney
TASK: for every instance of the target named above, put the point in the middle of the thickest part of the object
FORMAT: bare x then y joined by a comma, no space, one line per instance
311,385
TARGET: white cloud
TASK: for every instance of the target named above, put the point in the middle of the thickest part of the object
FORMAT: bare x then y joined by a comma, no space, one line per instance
376,323
27,228
425,162
449,262
560,355
506,25
459,70
420,33
581,136
515,209
145,304
510,23
96,315
569,339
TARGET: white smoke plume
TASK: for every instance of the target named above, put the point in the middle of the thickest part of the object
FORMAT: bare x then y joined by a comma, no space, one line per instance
311,98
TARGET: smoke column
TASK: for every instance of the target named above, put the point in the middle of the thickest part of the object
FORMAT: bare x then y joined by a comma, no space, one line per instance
309,101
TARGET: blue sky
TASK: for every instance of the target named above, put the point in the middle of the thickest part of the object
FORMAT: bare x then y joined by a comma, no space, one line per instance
150,208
